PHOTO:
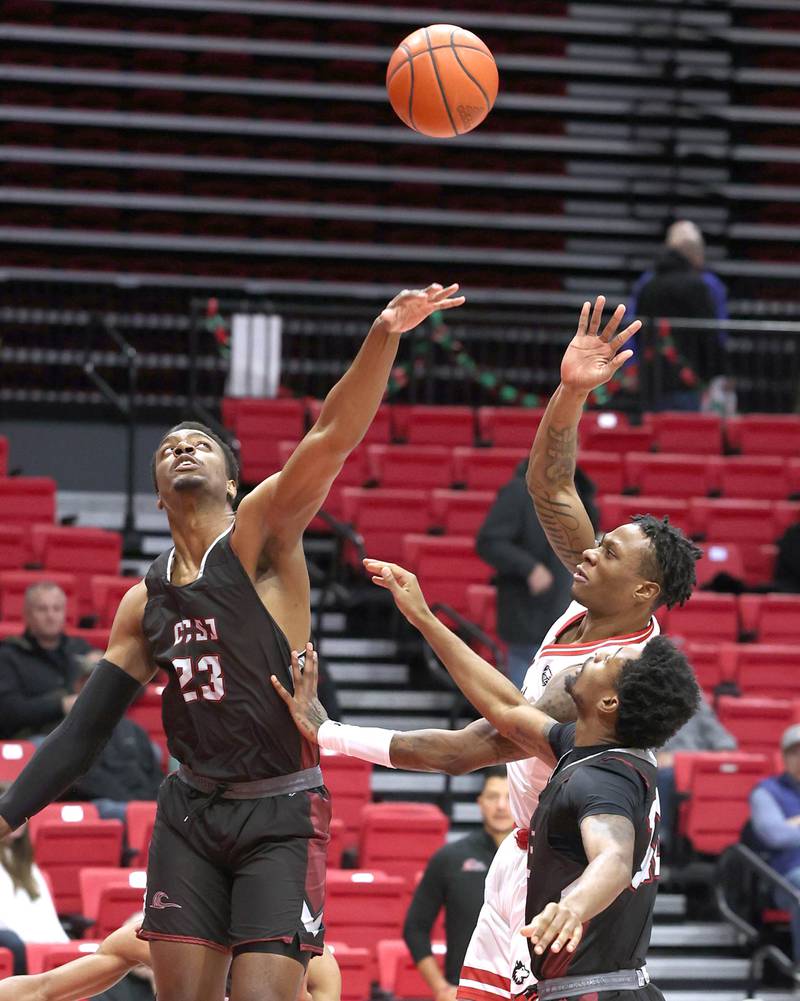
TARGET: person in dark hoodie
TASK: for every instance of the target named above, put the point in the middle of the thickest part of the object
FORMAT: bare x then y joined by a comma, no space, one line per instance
533,588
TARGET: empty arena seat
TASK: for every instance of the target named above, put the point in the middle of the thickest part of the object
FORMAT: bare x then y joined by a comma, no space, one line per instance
705,617
764,434
398,838
96,636
698,434
349,781
83,551
44,956
14,546
756,723
671,474
260,426
617,510
398,975
27,500
6,963
110,897
485,469
140,816
727,520
621,439
14,584
362,907
146,712
67,813
445,566
336,843
771,618
432,425
107,591
14,755
604,469
754,477
717,784
764,670
717,558
509,427
459,512
356,967
708,664
415,467
354,473
383,515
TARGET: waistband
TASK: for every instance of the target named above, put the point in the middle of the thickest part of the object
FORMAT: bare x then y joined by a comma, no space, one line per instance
569,987
308,778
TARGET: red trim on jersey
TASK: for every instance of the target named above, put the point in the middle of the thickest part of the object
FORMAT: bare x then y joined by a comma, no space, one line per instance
485,977
155,936
475,994
573,648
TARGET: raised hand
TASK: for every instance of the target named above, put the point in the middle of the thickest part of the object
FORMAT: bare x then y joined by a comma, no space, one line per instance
592,358
408,309
403,586
307,711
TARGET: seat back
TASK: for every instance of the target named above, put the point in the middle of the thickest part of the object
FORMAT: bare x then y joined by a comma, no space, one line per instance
754,477
27,500
434,425
110,896
509,427
64,848
140,817
699,434
460,512
14,543
705,617
416,467
362,907
399,838
755,722
44,956
14,755
349,781
485,469
14,584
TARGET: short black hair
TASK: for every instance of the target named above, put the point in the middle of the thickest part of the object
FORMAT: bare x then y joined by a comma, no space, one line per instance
494,772
658,693
671,561
231,462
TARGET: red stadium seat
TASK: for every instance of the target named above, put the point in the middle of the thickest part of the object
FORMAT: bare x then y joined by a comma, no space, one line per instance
765,434
14,755
482,607
354,473
705,617
336,844
14,584
508,427
717,558
146,712
430,425
27,500
787,513
671,474
708,665
754,477
618,510
765,670
107,592
382,516
621,439
261,425
14,546
380,430
44,956
3,455
414,467
756,723
398,975
110,897
399,840
460,512
771,618
363,907
725,520
349,781
356,968
485,469
446,567
140,816
692,434
604,469
96,637
6,963
718,784
83,551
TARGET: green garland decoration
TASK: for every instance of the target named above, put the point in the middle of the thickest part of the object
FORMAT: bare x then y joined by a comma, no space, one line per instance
219,328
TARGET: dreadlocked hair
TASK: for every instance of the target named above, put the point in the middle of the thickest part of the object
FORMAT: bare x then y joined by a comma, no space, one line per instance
657,692
231,462
671,561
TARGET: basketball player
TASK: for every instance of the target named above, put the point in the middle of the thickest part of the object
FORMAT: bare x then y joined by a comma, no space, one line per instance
618,582
123,951
237,859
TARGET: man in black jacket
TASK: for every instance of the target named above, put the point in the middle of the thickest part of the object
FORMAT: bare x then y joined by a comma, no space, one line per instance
454,879
532,585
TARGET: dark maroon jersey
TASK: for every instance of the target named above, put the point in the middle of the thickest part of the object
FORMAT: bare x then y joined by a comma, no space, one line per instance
589,781
219,646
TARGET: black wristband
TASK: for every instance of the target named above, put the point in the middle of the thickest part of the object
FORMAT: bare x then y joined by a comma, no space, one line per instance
72,747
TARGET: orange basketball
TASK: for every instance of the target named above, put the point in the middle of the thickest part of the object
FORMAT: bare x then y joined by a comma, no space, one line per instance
442,80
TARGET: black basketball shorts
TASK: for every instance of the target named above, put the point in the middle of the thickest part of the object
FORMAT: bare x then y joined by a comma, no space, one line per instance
233,873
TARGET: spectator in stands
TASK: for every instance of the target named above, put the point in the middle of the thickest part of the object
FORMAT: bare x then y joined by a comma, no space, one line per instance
775,820
787,565
454,879
703,732
532,585
27,912
680,287
39,669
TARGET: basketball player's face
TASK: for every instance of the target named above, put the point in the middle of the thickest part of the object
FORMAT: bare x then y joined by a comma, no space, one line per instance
598,676
609,578
188,461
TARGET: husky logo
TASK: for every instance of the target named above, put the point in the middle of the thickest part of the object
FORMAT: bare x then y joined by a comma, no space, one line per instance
521,973
547,674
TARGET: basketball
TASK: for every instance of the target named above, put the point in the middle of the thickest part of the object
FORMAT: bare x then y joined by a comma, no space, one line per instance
442,81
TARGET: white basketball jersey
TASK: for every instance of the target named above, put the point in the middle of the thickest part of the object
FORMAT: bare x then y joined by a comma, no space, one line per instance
527,778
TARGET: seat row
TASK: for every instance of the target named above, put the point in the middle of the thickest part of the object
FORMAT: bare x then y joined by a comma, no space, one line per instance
709,617
758,670
88,594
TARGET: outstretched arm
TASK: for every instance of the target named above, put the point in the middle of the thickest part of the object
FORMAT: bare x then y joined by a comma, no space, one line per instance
591,359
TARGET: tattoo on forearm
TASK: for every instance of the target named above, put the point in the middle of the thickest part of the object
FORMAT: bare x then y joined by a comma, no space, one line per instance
562,525
562,449
556,701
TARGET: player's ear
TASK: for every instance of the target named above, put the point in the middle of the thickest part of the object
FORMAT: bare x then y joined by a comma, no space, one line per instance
608,705
159,502
647,591
231,490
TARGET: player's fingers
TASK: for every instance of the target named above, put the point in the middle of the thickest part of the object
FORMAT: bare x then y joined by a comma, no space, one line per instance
297,673
280,689
583,319
564,936
441,292
550,932
433,288
597,315
575,937
458,300
625,335
619,360
611,327
311,666
539,924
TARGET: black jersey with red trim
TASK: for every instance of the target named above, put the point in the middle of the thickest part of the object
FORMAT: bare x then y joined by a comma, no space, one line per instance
589,781
219,645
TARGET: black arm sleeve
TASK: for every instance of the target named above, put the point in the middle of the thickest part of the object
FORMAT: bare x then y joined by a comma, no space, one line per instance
426,903
70,749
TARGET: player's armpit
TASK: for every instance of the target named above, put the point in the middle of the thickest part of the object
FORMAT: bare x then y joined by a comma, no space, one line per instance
556,700
454,752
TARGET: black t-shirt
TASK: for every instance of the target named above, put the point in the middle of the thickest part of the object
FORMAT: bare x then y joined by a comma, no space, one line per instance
590,781
454,879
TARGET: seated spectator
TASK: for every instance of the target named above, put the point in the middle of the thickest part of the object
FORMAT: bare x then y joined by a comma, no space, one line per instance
775,819
703,732
27,912
39,669
787,565
454,879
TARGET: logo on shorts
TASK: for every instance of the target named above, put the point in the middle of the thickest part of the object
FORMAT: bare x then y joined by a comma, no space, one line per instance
521,973
547,674
160,901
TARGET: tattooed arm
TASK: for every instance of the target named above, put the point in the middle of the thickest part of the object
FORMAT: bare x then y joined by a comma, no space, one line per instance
591,359
556,700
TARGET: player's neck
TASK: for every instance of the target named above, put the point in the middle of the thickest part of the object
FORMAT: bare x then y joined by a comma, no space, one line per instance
593,628
194,527
591,732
